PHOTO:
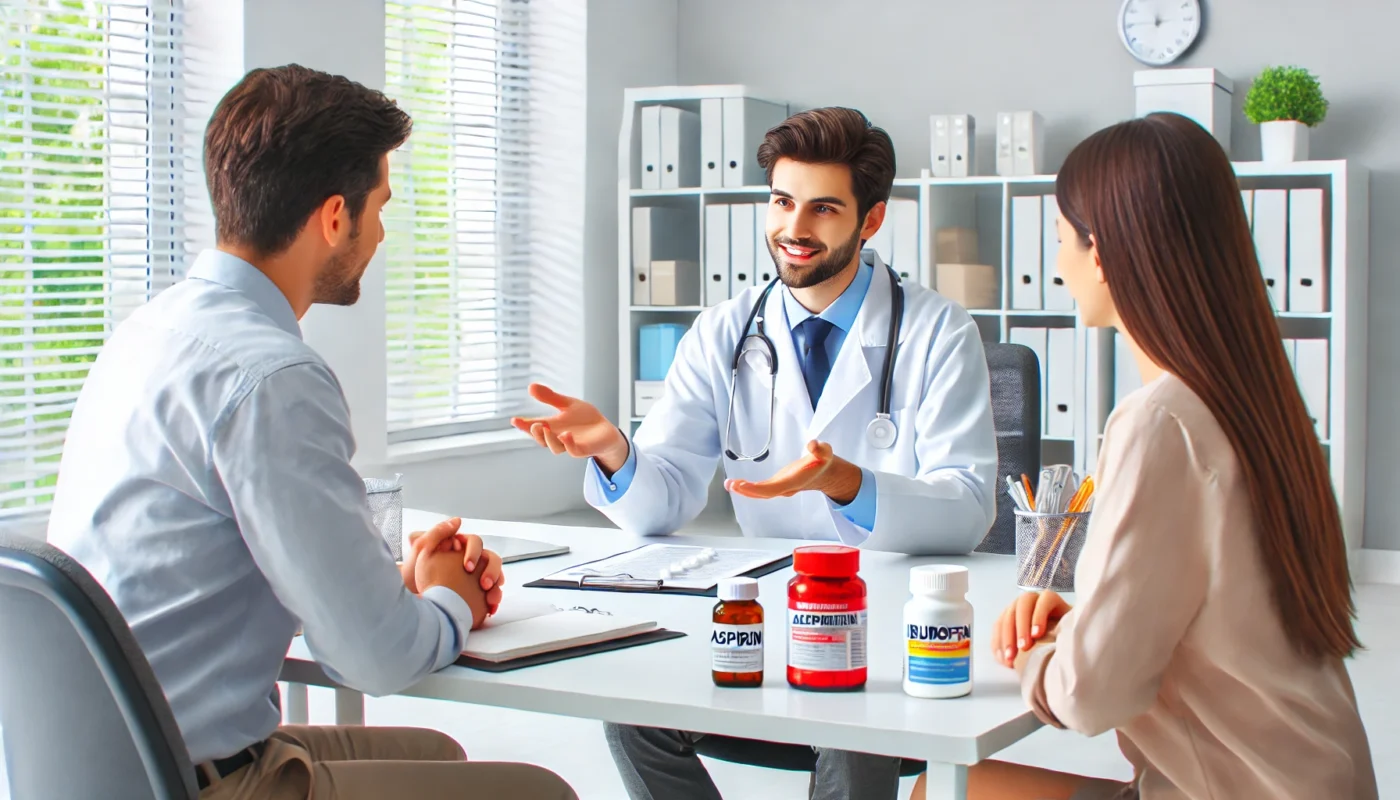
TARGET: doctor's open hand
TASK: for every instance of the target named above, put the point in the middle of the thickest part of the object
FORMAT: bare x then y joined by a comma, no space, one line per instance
818,470
579,429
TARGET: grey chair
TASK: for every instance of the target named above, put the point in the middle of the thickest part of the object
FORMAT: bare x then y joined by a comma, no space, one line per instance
1015,374
1015,387
81,711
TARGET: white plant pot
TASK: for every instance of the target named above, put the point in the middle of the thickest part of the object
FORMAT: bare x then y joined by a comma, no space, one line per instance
1284,140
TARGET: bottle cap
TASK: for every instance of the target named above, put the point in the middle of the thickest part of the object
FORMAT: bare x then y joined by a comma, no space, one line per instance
738,589
827,561
938,579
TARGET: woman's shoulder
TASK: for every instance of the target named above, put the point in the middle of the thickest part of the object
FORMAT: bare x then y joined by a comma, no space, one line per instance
1164,417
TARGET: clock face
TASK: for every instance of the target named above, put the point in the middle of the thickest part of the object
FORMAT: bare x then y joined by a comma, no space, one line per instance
1157,32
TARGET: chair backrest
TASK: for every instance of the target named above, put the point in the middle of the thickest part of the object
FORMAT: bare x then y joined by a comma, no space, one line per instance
81,710
1015,373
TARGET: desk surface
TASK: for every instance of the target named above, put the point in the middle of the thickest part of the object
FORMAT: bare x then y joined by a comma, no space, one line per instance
668,684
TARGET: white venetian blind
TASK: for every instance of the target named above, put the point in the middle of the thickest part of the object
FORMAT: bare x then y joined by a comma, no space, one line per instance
457,242
92,183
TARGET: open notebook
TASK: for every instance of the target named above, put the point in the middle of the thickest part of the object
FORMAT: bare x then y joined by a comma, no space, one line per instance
525,628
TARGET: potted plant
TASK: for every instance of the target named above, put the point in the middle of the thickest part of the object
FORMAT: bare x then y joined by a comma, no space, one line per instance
1284,102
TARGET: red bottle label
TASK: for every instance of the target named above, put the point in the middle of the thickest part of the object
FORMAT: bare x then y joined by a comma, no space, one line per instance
826,644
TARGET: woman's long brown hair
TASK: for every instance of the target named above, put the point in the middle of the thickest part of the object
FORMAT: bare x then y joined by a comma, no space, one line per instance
1160,198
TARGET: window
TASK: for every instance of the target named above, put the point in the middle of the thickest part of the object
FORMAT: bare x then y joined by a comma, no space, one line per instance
92,206
457,230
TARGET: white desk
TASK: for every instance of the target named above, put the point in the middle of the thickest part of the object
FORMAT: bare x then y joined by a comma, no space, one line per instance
667,684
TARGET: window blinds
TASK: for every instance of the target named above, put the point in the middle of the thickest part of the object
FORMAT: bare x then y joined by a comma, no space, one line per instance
457,241
92,182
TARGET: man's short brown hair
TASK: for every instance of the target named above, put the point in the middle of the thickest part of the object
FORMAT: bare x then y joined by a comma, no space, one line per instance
836,136
284,141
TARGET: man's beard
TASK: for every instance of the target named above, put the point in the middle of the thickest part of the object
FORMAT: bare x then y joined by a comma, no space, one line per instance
818,273
338,282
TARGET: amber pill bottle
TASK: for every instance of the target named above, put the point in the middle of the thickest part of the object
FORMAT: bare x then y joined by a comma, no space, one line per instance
736,641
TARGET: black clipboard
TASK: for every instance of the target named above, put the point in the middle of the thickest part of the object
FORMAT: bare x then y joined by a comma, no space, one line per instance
646,637
600,584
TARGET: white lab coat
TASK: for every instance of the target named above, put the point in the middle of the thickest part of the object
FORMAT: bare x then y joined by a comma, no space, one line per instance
934,488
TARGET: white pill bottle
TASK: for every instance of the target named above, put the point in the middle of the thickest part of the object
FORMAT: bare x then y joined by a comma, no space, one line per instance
938,633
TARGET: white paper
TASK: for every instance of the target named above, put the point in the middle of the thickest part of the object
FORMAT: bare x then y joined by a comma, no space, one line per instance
647,562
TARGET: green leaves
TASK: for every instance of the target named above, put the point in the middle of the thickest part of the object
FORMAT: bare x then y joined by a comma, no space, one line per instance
1285,93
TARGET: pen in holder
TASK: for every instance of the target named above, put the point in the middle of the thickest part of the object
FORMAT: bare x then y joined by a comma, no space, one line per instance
385,496
1047,549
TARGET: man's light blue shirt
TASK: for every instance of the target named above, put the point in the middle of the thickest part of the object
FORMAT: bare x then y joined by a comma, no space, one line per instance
206,484
842,315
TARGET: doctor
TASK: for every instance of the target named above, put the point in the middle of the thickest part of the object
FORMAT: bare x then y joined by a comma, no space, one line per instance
826,431
814,383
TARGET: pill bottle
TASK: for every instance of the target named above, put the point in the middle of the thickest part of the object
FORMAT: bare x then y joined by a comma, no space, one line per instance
736,643
826,620
938,633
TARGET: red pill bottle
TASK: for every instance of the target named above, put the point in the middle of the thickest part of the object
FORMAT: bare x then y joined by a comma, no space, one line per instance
826,620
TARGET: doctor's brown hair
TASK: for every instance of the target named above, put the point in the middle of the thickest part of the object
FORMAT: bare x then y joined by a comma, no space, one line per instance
1160,199
835,136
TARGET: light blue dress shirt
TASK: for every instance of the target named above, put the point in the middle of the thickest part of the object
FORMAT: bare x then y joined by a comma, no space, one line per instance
206,484
842,315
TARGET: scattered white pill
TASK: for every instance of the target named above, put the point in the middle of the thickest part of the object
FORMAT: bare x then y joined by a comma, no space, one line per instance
693,562
665,574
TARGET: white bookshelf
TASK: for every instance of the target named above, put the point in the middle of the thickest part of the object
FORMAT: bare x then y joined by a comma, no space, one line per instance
983,202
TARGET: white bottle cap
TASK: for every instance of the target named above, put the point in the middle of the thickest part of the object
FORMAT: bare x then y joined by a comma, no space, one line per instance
738,589
938,579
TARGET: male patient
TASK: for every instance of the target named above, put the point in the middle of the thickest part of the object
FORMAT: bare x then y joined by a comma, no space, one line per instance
206,479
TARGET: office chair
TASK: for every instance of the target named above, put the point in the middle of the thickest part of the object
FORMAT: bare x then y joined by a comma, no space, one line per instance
82,713
1015,374
1015,382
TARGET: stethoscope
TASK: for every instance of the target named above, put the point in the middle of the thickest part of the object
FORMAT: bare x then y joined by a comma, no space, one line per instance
881,431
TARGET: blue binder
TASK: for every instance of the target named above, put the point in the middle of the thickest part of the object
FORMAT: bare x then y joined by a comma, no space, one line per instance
657,349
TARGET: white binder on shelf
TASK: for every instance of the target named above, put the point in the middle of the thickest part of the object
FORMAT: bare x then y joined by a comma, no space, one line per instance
1271,242
651,147
1006,151
1035,339
675,283
1057,296
1025,253
1307,279
641,256
1060,405
712,143
741,232
746,120
962,144
1028,140
716,254
680,142
941,150
1314,375
764,270
904,213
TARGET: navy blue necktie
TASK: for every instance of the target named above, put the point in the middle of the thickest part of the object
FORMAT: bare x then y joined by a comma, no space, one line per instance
811,349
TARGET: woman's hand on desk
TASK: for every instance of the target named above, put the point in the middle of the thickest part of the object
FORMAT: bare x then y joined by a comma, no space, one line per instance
1029,619
445,569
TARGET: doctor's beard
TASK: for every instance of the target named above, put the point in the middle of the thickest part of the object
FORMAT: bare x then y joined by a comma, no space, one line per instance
823,270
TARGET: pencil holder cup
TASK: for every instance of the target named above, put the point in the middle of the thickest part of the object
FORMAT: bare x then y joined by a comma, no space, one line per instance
385,496
1047,549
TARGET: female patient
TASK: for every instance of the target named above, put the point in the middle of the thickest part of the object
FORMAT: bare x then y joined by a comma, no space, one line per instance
1214,604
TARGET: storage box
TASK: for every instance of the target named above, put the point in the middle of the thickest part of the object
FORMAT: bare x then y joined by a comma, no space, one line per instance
955,246
656,349
675,283
1203,95
644,396
969,285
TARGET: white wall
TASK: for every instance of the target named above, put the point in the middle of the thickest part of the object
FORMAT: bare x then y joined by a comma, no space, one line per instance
507,477
901,60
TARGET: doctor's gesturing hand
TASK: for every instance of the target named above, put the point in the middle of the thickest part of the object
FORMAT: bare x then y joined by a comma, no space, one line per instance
818,470
579,429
